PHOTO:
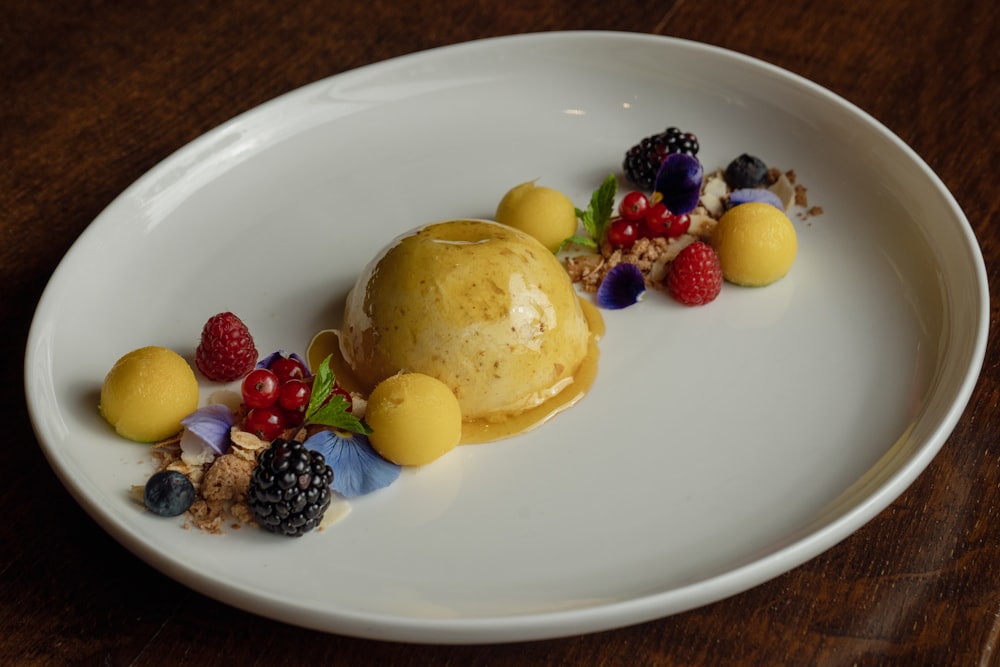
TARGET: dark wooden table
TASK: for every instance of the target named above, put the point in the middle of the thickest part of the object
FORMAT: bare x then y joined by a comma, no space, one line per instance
94,93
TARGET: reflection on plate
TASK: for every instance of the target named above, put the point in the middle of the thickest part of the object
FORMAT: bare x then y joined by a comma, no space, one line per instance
720,446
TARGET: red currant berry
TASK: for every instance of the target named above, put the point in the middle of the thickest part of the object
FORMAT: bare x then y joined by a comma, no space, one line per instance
658,219
343,393
294,417
287,369
266,423
622,233
633,206
680,224
294,395
260,388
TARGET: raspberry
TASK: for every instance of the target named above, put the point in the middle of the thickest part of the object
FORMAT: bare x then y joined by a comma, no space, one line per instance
226,351
695,276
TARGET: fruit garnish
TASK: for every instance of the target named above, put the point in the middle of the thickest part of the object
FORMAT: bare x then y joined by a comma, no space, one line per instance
633,206
746,171
622,233
260,388
357,467
285,365
226,351
678,182
643,160
695,276
168,493
328,407
623,286
597,215
267,423
290,488
207,427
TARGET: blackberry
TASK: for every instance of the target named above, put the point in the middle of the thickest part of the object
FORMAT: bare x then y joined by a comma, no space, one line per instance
290,488
168,493
642,161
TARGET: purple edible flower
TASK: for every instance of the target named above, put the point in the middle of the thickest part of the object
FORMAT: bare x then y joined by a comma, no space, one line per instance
747,195
210,426
679,182
357,467
623,286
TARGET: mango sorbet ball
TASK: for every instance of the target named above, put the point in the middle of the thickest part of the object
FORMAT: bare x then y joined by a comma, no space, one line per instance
542,212
147,393
756,244
415,419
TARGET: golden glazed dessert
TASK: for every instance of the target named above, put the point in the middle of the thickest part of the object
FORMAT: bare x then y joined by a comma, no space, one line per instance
482,307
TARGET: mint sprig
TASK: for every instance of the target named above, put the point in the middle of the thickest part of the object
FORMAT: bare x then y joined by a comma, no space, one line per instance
327,408
596,216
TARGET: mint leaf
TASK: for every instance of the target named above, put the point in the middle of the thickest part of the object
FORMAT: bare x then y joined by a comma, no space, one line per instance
602,203
335,414
596,217
328,409
578,240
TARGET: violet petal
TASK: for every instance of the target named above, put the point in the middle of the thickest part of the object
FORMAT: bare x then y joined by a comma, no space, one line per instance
679,182
211,424
623,286
747,195
357,467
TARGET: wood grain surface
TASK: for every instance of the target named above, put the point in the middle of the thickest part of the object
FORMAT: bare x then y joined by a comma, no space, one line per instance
94,93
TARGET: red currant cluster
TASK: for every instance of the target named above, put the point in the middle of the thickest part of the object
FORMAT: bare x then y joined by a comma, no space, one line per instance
641,217
276,398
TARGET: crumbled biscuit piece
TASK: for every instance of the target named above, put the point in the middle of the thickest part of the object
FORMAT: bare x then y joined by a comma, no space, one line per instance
801,198
228,478
208,515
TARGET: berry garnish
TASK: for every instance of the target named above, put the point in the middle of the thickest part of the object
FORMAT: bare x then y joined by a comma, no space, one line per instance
290,488
643,160
746,171
288,368
659,219
679,224
695,276
260,388
266,423
168,493
294,396
622,233
226,351
633,206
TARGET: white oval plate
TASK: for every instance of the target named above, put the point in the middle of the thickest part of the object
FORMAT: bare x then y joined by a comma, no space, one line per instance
720,447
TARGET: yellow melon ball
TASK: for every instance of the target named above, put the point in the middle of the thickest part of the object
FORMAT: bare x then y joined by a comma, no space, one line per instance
415,419
542,212
147,393
756,244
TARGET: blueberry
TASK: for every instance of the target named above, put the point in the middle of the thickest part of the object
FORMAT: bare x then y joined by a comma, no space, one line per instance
168,493
746,171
